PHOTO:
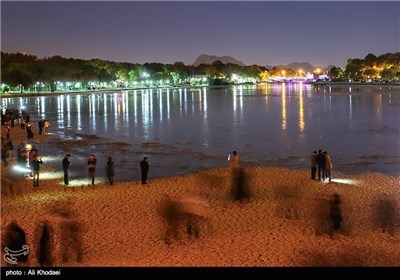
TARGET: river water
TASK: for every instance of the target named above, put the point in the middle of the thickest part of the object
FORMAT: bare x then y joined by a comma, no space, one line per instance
182,130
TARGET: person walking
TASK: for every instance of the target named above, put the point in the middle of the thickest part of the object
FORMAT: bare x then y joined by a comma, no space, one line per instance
92,167
110,170
65,164
144,168
35,169
313,162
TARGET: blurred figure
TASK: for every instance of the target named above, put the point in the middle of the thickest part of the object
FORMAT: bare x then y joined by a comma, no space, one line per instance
8,130
14,239
65,164
6,152
92,167
239,186
4,155
22,122
335,211
386,214
70,234
144,168
185,213
21,153
29,133
313,163
234,160
328,166
110,170
35,168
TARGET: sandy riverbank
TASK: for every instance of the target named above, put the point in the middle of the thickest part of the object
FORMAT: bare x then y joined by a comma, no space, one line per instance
285,222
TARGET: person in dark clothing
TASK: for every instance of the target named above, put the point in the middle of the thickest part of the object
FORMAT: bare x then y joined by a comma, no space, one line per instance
110,170
35,168
321,165
40,125
313,163
29,132
144,168
92,167
65,164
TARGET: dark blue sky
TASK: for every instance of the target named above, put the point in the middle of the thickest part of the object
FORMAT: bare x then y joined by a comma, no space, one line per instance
260,32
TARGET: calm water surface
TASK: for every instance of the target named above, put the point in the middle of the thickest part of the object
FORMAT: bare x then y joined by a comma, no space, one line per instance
185,130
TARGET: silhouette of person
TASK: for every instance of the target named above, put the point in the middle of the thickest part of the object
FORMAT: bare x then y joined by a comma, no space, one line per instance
92,167
110,170
35,169
321,165
66,164
313,163
144,168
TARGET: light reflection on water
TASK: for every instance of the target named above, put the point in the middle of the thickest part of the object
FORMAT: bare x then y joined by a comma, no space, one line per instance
188,129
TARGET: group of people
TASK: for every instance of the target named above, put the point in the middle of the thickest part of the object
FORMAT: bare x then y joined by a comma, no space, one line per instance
321,162
91,164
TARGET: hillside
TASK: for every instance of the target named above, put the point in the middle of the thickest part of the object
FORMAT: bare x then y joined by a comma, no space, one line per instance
209,59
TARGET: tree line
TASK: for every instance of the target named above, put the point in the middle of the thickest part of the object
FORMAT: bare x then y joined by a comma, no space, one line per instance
19,69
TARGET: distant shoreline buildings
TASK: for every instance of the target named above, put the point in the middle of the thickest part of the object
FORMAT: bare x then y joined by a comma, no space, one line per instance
23,73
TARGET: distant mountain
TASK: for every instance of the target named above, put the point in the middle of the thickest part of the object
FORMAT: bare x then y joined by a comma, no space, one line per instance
305,66
327,68
209,59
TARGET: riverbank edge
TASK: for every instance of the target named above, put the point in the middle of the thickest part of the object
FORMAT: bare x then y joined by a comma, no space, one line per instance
332,84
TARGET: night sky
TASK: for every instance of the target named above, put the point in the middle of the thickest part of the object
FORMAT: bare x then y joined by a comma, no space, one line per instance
260,32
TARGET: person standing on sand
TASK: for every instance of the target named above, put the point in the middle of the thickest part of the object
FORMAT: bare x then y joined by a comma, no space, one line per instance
35,169
29,132
66,164
46,125
144,168
313,162
32,154
234,160
321,165
110,170
40,125
92,167
328,166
